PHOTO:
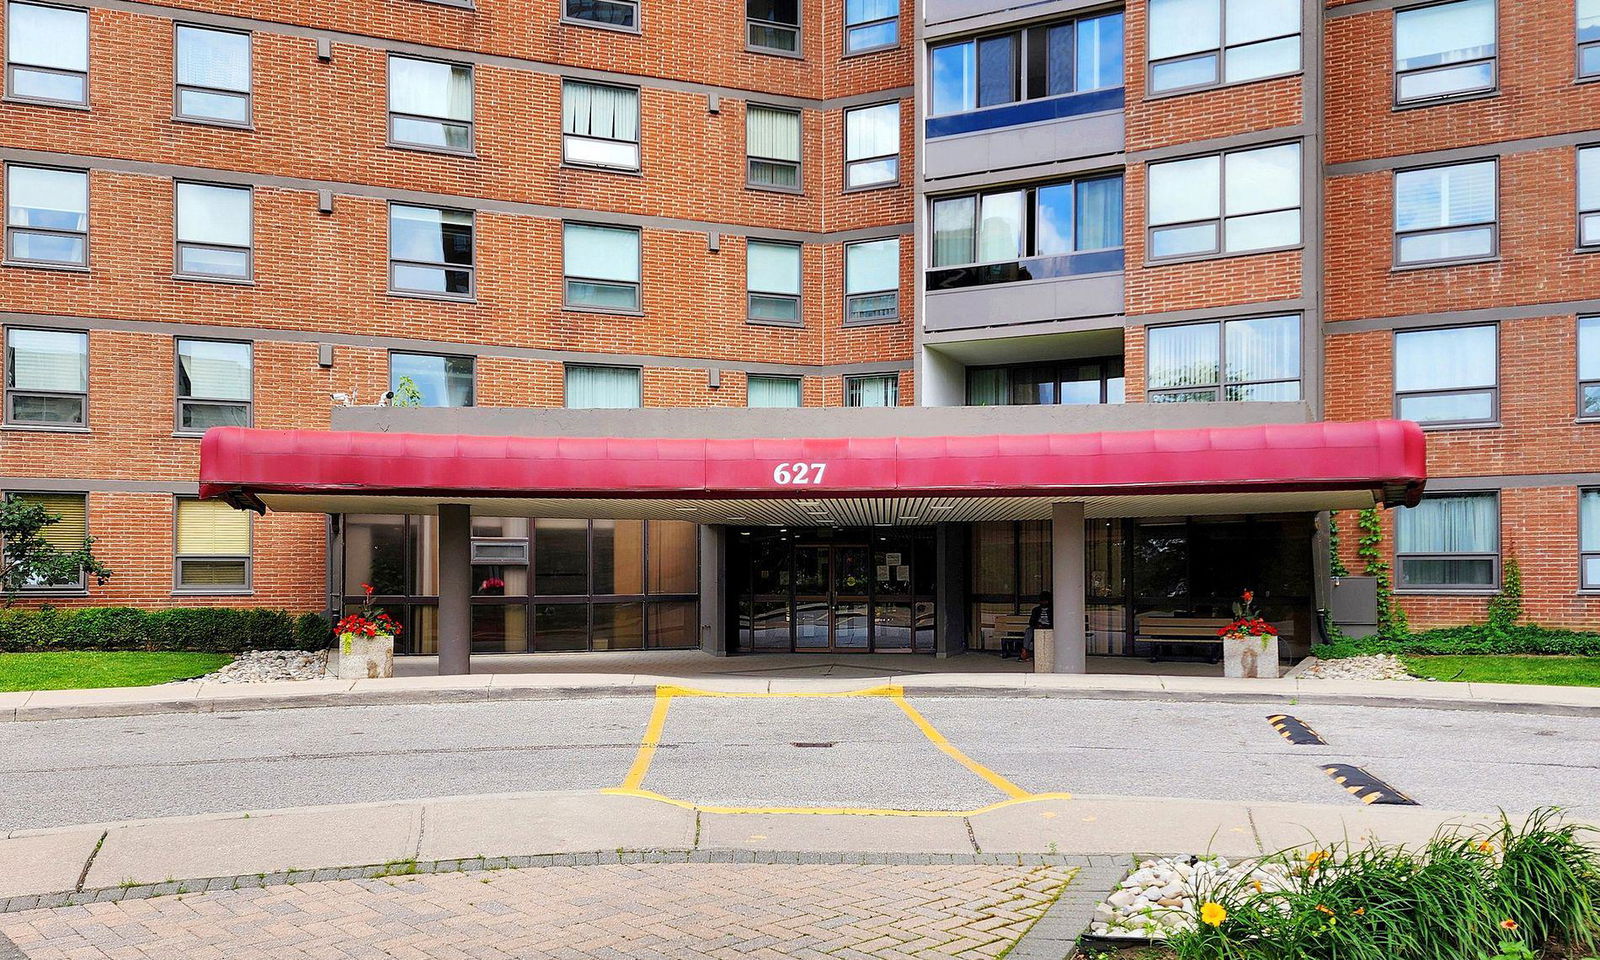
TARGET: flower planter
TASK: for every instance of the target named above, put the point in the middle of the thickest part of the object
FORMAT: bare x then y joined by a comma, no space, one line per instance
1248,655
362,657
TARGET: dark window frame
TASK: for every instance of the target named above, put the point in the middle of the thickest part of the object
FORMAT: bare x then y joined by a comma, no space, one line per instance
1403,585
1492,89
1493,390
391,114
751,295
637,141
11,66
851,299
471,358
1584,556
1220,52
11,259
751,24
1219,390
470,268
566,368
751,182
179,588
180,398
1219,249
1584,215
849,164
81,587
1106,363
567,302
1585,386
800,389
850,28
569,18
1398,234
1581,47
11,392
1024,50
1030,228
852,386
179,245
247,94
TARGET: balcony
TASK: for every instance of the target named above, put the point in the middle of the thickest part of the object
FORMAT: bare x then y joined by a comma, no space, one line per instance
1027,133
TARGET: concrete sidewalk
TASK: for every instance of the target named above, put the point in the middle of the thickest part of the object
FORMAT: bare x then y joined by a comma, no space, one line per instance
156,857
232,697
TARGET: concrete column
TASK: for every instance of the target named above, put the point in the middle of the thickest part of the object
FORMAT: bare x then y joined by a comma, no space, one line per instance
950,590
1067,588
714,589
455,589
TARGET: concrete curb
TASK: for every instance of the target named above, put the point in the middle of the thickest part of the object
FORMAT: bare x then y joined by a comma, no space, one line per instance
1054,936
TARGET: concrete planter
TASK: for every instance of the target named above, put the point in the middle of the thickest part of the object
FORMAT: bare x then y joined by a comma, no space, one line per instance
1248,656
363,658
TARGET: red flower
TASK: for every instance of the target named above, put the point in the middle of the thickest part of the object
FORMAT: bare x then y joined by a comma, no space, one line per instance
1249,596
367,587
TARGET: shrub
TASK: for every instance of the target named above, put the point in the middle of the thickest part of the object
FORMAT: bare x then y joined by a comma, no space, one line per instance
1473,638
191,629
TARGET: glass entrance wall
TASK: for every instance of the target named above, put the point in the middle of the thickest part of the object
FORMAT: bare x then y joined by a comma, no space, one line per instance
826,590
1010,568
538,585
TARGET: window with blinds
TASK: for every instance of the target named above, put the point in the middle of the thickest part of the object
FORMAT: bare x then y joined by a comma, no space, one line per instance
213,230
213,75
872,281
593,387
876,390
47,378
1446,213
773,26
772,391
1447,375
600,267
1256,358
68,533
600,125
47,54
212,546
214,384
1449,542
772,280
772,147
47,215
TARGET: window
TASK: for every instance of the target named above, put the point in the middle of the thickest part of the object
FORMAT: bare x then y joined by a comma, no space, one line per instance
872,280
1589,538
872,145
773,26
214,384
1250,359
1588,38
1202,43
47,54
1444,50
1443,214
600,125
871,25
772,391
877,390
47,377
1080,381
1047,60
439,381
1589,197
430,104
213,231
1589,367
68,534
1447,375
212,547
430,251
1028,233
1449,541
212,81
591,387
1237,202
47,216
772,147
772,282
601,267
623,14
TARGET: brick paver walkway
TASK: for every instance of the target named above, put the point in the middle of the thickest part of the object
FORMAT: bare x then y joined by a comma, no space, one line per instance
613,912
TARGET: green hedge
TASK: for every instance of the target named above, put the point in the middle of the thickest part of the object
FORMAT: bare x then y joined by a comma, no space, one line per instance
197,629
1526,639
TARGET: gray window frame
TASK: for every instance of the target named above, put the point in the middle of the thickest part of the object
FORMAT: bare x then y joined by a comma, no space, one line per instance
895,156
1493,390
798,299
750,182
471,268
79,589
1493,225
179,588
389,115
1219,389
1219,249
179,244
850,298
638,14
566,367
1221,53
638,141
567,278
88,223
798,27
1583,214
389,361
1404,586
180,398
799,381
11,67
846,51
1582,383
1584,556
1396,73
1578,48
852,381
247,95
11,393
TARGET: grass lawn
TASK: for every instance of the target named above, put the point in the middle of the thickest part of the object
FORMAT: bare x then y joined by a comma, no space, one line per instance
1558,671
79,670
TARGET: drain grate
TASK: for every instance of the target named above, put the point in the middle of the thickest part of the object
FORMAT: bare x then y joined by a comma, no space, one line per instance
819,745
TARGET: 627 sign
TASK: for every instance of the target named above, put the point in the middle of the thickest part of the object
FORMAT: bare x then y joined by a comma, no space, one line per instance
798,474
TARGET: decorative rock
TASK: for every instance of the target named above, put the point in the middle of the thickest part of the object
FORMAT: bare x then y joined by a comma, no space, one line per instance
1161,897
1380,666
267,666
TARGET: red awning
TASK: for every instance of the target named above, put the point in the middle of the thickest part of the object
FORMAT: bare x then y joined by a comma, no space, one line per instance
1385,457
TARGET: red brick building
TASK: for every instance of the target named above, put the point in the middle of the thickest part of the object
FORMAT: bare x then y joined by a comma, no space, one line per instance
242,214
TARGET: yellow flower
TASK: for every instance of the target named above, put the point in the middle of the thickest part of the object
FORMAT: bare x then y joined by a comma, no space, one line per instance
1212,914
1325,909
1508,924
1258,886
1485,847
1317,856
1360,911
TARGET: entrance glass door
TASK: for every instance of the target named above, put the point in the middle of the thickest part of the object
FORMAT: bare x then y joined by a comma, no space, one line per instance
813,604
852,624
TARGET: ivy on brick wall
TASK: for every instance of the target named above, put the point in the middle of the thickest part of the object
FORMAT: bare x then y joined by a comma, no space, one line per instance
1391,619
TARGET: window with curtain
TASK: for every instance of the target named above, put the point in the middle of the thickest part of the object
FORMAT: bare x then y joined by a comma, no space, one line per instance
47,215
47,53
772,26
772,282
215,384
872,280
213,231
1236,202
1203,43
623,14
213,75
875,390
430,251
772,147
600,266
67,534
1026,233
1589,197
772,391
212,547
1249,359
600,125
440,381
1449,541
430,104
872,145
591,387
871,25
1444,50
1447,375
1589,367
47,377
1589,538
1446,213
1045,60
1589,38
1091,380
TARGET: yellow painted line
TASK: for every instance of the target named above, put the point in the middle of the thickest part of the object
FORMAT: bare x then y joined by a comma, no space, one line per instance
937,739
647,745
883,691
845,811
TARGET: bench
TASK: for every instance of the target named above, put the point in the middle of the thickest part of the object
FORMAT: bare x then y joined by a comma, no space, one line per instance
1012,631
1167,631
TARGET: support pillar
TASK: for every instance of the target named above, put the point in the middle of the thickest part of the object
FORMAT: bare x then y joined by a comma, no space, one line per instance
950,590
455,589
1067,588
714,589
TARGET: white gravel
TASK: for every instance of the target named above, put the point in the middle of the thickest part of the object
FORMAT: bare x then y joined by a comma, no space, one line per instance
1380,666
1164,896
266,666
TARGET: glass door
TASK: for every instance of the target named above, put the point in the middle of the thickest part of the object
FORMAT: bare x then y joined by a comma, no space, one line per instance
813,606
852,624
